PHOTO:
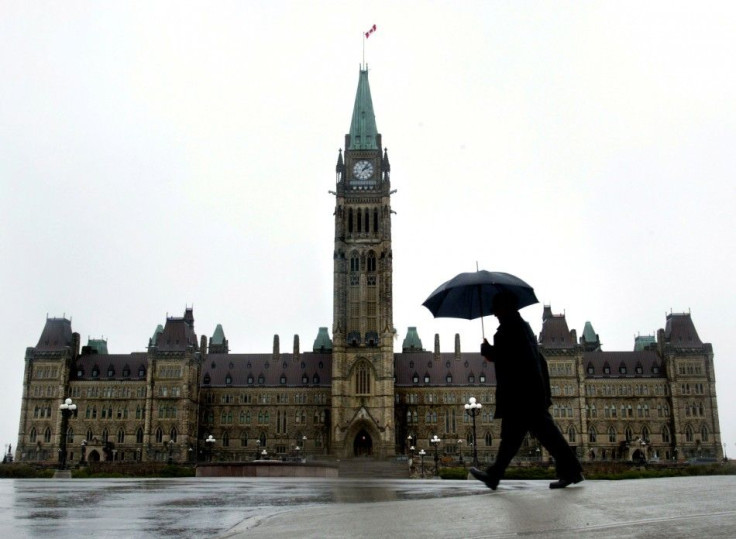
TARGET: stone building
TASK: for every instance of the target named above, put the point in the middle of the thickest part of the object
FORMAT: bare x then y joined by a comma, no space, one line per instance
351,394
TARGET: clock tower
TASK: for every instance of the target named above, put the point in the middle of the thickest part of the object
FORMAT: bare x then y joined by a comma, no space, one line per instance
363,331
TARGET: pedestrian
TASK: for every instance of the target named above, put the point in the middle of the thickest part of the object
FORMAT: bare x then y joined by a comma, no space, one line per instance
523,397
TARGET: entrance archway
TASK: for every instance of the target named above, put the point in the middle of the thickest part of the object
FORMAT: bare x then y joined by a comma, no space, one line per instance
93,456
363,444
639,456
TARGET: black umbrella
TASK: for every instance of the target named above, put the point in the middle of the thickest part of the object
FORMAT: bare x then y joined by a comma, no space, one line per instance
470,295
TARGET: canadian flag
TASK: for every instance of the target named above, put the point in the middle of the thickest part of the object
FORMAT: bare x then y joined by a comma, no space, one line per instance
369,32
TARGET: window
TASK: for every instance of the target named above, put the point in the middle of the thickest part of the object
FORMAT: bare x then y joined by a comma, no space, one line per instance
126,372
448,378
592,435
121,436
591,370
33,435
611,435
426,378
488,439
139,436
315,379
571,434
363,379
141,372
95,371
415,378
282,380
482,378
110,371
228,379
159,436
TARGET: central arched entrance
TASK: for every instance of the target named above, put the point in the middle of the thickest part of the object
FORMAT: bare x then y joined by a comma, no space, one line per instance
362,444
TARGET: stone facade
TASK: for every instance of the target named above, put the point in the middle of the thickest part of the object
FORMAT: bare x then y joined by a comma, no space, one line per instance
351,394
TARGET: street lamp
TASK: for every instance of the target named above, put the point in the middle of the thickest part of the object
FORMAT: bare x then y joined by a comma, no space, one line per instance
210,444
460,449
304,446
408,441
264,454
472,408
258,448
84,452
67,408
421,454
435,441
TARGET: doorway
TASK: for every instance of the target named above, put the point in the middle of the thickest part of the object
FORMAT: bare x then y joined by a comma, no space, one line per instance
363,444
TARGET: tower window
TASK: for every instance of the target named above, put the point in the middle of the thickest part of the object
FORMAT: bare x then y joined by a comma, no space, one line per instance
363,380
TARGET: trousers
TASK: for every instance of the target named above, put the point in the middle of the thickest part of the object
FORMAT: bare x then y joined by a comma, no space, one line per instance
541,425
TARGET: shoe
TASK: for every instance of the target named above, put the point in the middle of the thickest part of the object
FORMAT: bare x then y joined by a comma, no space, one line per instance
491,481
562,483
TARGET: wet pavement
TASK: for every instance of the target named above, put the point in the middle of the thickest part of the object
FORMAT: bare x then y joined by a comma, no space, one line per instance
256,507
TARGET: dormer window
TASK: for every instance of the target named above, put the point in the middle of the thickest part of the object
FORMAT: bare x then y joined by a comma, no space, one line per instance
415,378
283,380
471,379
207,379
448,378
305,379
426,378
126,372
110,371
606,368
80,372
141,372
482,378
315,379
95,371
228,379
250,379
261,379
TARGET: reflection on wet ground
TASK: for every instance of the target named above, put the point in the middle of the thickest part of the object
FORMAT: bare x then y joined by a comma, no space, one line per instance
185,507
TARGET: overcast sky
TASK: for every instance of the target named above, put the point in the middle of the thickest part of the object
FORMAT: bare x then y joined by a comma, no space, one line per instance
158,155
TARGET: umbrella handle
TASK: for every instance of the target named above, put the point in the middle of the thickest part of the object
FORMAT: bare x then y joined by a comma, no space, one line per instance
480,301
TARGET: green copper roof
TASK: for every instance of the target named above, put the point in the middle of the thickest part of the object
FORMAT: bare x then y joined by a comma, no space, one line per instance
589,333
642,342
412,340
363,129
323,341
159,331
100,345
218,337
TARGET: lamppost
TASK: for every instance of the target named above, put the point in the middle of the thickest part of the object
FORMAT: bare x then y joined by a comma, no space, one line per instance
408,441
435,441
209,444
67,408
304,446
258,448
472,408
460,448
421,454
264,454
84,453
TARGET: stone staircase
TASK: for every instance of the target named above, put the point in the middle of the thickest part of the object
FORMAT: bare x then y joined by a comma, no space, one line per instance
370,468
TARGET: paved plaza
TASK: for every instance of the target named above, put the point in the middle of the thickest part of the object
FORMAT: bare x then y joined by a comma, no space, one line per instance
253,508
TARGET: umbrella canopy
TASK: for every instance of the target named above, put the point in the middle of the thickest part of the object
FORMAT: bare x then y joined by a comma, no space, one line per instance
470,295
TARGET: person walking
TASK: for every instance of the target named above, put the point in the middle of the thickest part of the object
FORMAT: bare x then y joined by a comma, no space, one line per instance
523,397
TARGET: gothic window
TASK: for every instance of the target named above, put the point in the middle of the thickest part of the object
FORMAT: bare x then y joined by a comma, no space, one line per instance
225,439
121,436
360,219
482,378
363,379
448,378
105,436
283,379
371,262
261,379
666,434
139,436
471,378
426,378
645,434
244,439
159,435
489,439
305,378
571,434
375,220
89,434
592,435
629,434
350,220
415,378
250,379
33,435
639,369
622,368
689,434
704,433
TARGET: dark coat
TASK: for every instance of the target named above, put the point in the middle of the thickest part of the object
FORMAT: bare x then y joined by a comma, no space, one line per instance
522,376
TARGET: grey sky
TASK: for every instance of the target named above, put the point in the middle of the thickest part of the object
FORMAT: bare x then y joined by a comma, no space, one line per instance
155,155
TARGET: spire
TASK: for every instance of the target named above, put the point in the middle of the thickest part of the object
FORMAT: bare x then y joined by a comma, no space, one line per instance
363,128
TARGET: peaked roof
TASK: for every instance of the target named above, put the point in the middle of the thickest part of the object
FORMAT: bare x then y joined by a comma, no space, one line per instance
363,128
56,335
218,337
680,331
412,340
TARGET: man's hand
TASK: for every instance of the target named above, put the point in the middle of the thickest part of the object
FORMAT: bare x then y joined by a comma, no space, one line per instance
486,350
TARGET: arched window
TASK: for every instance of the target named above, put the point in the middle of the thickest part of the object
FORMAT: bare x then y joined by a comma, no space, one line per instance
645,434
139,436
371,262
225,439
704,433
173,436
689,434
350,220
629,434
363,379
243,439
360,220
47,435
592,435
33,435
105,436
666,434
611,435
571,434
89,434
354,263
489,439
159,436
121,436
375,220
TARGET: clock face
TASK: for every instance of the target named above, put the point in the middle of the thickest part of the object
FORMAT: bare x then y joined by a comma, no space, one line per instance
363,170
